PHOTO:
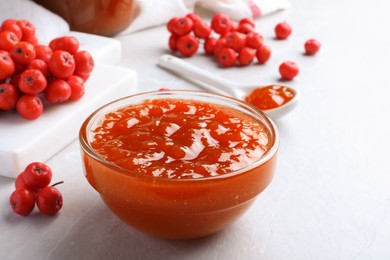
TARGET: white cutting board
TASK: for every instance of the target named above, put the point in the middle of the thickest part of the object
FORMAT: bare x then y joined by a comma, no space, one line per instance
23,141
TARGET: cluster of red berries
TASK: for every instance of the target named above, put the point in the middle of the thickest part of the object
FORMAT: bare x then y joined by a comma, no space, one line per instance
230,42
32,72
32,187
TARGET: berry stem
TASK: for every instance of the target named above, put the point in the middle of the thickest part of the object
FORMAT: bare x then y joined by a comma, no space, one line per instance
57,183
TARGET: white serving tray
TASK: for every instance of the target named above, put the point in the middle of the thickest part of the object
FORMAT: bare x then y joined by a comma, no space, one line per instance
23,141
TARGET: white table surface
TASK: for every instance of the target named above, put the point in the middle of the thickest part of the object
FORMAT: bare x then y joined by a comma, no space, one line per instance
330,198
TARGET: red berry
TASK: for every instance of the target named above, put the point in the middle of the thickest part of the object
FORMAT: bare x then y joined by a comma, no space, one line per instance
37,175
8,40
65,43
15,80
187,45
194,17
58,91
183,26
43,52
254,40
77,87
245,28
246,55
170,24
22,201
33,39
28,29
282,30
312,46
227,57
202,30
209,45
221,23
219,45
172,42
263,54
22,53
84,63
11,25
29,107
248,20
7,66
19,68
9,95
40,65
32,81
288,70
235,40
20,183
49,200
62,64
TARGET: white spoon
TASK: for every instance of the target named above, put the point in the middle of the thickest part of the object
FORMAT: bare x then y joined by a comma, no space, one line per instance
220,85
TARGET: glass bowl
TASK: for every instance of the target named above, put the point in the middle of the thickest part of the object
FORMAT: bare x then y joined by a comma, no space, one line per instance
103,17
178,208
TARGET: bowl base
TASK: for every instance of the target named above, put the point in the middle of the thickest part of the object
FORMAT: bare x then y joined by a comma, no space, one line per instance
183,226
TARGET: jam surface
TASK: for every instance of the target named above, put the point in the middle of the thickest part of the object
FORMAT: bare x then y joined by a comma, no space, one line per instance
174,138
269,97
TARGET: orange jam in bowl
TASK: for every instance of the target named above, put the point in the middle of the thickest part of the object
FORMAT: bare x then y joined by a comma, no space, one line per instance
178,164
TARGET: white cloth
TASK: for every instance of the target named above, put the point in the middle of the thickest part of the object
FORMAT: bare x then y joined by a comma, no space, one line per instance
152,13
48,25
